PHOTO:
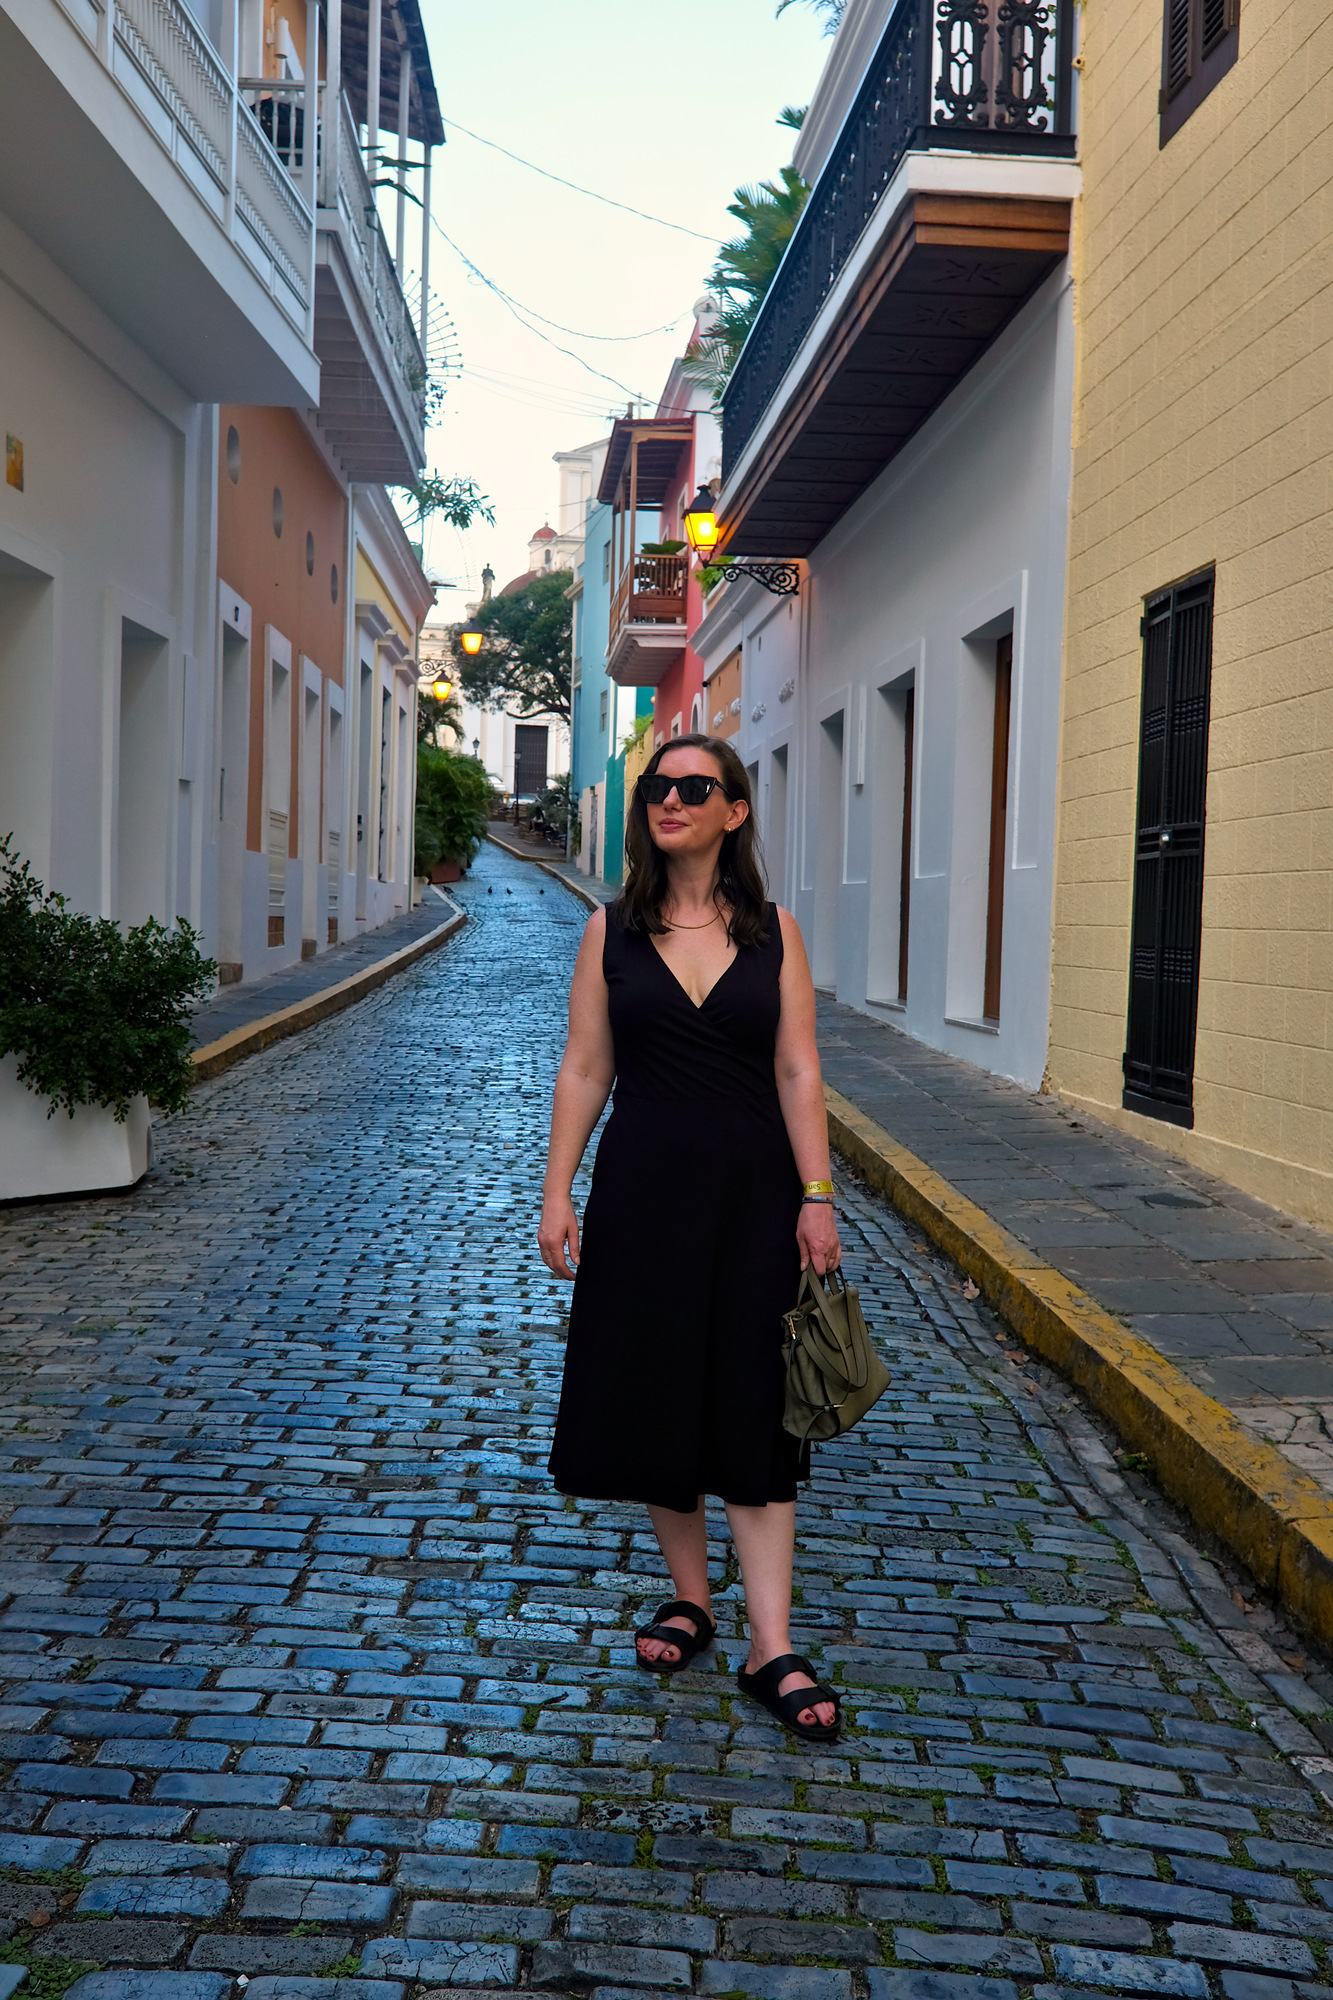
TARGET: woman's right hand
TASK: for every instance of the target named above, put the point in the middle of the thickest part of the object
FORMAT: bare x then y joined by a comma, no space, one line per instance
558,1228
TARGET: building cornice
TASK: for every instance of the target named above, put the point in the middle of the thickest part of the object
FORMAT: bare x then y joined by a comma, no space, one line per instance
396,557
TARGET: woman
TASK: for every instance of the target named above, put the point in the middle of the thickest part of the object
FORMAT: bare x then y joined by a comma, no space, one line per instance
710,1194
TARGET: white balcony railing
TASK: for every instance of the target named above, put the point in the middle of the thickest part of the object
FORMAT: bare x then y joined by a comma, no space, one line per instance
346,190
167,66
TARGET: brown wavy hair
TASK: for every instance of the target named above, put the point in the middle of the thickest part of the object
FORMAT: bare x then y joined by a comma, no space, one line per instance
741,886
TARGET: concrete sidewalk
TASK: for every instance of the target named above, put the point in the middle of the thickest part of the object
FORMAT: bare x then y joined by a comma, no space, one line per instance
235,1007
239,1020
1236,1295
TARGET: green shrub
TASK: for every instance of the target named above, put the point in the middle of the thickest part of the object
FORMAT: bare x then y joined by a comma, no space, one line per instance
95,1015
554,802
453,805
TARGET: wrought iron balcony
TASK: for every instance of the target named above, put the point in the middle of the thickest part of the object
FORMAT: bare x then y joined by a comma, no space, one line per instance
976,76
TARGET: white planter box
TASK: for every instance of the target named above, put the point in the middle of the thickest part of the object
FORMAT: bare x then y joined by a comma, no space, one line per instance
64,1155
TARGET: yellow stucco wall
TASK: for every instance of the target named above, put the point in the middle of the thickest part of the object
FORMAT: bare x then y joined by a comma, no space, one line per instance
1204,434
370,585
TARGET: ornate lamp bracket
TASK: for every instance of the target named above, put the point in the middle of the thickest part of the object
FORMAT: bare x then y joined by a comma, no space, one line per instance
782,578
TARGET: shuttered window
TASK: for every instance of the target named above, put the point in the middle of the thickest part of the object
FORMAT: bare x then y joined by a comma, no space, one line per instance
1168,851
1200,42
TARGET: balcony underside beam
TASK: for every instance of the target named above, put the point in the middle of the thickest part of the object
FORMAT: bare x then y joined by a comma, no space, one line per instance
358,412
949,274
642,656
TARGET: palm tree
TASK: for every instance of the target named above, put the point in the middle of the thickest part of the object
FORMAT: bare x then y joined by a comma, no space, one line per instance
832,10
745,268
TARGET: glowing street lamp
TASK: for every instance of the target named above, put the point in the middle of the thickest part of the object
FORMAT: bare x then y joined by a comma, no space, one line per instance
470,637
701,523
442,688
701,528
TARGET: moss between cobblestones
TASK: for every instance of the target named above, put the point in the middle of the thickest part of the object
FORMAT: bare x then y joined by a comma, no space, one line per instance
48,1978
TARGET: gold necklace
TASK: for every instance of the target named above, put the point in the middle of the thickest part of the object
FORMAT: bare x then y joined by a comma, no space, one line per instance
695,927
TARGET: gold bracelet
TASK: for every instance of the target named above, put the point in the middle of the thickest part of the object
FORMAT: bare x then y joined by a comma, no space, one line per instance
817,1187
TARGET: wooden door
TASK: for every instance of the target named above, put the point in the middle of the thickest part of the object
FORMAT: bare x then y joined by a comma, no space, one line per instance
999,820
530,749
1168,852
905,865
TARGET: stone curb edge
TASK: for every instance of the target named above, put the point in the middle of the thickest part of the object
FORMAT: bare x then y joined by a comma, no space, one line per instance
213,1057
584,895
1275,1519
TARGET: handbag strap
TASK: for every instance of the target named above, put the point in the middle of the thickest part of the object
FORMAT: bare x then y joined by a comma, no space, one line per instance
811,1282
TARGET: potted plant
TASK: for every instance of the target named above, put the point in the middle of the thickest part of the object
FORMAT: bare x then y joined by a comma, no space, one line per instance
453,805
94,1025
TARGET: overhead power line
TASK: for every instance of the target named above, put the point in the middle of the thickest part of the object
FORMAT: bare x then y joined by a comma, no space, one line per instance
524,316
574,187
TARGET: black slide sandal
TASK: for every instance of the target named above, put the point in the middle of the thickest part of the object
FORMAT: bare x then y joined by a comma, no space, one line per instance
784,1708
689,1643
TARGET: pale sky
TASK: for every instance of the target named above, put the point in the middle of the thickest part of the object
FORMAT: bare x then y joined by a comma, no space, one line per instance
666,108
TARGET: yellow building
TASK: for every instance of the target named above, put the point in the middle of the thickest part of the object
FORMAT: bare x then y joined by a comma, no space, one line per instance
1195,845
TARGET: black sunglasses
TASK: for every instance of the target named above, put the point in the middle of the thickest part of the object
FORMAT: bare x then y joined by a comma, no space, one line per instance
692,790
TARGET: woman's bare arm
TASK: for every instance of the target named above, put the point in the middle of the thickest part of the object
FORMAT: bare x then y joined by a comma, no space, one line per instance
582,1087
801,1095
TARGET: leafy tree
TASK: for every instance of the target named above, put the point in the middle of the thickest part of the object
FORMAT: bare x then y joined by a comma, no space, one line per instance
460,501
745,269
524,666
453,801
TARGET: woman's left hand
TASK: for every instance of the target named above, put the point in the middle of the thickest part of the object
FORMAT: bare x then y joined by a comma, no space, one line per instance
817,1237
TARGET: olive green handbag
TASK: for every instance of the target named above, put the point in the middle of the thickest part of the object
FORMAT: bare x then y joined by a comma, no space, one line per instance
833,1372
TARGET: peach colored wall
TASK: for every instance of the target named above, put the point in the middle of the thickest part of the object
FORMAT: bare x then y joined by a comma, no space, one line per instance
269,571
719,693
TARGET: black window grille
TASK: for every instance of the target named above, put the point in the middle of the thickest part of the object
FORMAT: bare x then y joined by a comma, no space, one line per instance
1168,851
1200,42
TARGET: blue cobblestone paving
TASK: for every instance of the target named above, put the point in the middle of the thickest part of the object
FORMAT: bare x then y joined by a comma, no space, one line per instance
311,1688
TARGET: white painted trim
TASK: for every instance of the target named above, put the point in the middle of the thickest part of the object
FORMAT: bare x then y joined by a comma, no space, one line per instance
117,605
1003,609
233,611
372,618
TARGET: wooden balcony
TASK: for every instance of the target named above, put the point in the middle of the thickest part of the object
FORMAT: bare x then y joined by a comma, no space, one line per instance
944,203
647,620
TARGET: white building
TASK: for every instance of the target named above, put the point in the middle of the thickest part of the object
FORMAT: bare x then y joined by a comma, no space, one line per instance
168,249
151,265
524,754
902,432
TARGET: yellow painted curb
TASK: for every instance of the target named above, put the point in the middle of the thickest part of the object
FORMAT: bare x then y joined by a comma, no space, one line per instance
228,1049
1275,1519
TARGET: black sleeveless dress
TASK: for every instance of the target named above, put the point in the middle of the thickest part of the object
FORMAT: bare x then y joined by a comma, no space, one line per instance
673,1373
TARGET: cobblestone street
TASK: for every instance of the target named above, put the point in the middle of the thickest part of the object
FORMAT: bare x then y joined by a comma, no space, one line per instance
310,1682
